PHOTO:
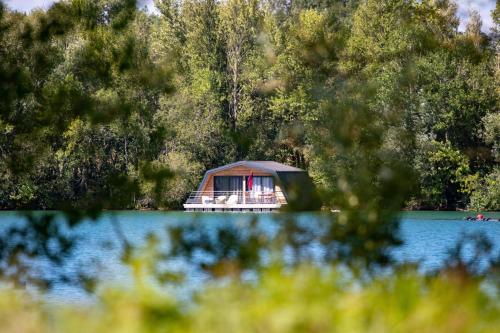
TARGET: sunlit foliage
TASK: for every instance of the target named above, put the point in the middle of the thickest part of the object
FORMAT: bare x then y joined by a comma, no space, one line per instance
302,300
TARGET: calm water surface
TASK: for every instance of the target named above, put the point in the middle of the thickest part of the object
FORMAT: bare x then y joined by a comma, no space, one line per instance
427,237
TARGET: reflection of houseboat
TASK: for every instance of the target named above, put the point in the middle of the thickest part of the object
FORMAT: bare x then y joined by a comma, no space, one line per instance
253,186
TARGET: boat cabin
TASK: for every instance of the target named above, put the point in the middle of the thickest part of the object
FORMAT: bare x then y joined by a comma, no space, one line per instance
258,186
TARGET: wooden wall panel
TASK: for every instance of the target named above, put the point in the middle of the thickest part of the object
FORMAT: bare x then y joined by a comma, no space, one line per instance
209,185
280,197
241,171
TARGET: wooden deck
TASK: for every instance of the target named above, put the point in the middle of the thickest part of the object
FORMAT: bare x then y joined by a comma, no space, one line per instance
211,201
231,207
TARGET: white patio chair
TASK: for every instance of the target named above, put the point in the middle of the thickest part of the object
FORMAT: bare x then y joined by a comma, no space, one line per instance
233,199
220,199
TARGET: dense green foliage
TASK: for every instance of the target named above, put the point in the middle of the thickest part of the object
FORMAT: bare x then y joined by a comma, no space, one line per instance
98,94
308,300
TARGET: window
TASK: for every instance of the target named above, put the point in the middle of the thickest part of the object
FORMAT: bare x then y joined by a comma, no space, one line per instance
228,183
263,184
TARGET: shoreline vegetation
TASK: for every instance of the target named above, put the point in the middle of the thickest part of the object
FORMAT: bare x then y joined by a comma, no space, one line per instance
107,106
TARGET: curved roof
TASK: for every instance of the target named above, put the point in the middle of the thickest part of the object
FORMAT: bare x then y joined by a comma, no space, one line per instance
267,166
262,165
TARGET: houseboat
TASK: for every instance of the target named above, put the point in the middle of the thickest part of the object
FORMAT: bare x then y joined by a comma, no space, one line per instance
253,186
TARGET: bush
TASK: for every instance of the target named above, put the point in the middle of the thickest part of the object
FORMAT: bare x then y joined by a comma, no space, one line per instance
485,192
304,300
183,177
443,171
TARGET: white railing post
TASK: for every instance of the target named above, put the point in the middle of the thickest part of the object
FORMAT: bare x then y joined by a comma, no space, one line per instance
244,190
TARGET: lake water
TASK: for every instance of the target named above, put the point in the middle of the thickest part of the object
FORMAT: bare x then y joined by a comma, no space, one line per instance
427,238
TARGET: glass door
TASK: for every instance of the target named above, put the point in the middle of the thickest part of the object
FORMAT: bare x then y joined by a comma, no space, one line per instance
262,189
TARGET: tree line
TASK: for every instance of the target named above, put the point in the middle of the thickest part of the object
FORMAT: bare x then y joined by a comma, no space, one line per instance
384,102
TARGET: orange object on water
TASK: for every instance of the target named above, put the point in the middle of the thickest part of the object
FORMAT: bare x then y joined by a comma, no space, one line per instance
480,216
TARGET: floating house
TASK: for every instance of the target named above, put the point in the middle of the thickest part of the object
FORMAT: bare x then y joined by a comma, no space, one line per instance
256,186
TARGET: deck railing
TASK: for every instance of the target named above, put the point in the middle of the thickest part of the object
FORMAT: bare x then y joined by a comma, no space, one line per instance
233,197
